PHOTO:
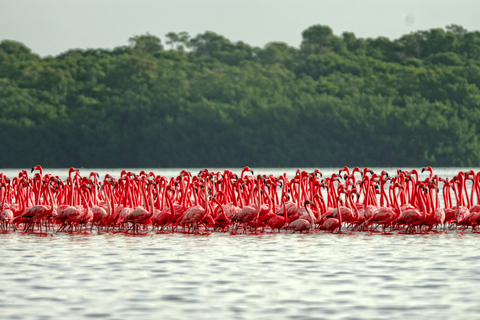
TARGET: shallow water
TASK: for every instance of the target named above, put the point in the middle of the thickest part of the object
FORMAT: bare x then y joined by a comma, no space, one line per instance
220,276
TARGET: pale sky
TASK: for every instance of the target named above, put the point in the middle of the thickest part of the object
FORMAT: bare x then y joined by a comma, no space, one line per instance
50,27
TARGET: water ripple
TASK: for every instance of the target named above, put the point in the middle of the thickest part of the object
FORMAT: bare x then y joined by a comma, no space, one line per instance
240,277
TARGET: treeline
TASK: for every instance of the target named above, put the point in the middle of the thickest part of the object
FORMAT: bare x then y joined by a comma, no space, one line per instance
209,102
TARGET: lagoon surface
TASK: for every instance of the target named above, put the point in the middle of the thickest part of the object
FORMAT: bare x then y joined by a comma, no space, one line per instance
222,276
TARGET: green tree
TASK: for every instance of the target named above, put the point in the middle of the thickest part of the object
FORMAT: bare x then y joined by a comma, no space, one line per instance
146,43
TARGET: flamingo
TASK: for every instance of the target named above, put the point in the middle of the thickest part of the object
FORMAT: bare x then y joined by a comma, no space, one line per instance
6,215
245,169
194,215
221,220
278,221
165,216
331,223
249,213
36,213
301,225
413,217
86,216
140,215
460,211
386,215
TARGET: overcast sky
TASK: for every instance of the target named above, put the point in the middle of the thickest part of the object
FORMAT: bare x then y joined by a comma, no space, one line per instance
50,27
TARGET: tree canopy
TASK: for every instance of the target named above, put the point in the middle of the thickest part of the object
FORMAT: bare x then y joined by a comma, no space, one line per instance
206,101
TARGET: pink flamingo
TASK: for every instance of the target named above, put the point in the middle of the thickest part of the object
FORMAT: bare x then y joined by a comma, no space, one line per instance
439,217
140,215
86,216
301,225
36,213
278,221
6,215
249,213
165,217
386,215
413,217
245,169
331,223
221,219
194,215
460,210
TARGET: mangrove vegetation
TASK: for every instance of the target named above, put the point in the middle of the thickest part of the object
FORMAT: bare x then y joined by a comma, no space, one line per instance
206,101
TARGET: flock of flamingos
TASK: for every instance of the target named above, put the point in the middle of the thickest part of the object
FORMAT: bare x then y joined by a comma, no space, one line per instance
357,200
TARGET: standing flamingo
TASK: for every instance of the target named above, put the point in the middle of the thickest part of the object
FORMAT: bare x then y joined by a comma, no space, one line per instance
194,215
249,213
140,215
86,216
301,225
36,213
166,216
386,215
278,221
6,215
331,223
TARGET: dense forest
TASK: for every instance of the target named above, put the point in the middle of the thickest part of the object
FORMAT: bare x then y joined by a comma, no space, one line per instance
209,102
